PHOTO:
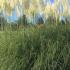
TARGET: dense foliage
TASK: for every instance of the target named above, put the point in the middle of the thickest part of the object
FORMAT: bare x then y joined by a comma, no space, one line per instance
44,47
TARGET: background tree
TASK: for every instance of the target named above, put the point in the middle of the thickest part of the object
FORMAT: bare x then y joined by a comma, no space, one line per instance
24,21
3,22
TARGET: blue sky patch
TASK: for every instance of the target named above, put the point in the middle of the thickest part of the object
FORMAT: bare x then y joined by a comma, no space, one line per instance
52,1
13,17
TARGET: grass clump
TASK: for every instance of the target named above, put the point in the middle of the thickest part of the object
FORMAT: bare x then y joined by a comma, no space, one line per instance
33,48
